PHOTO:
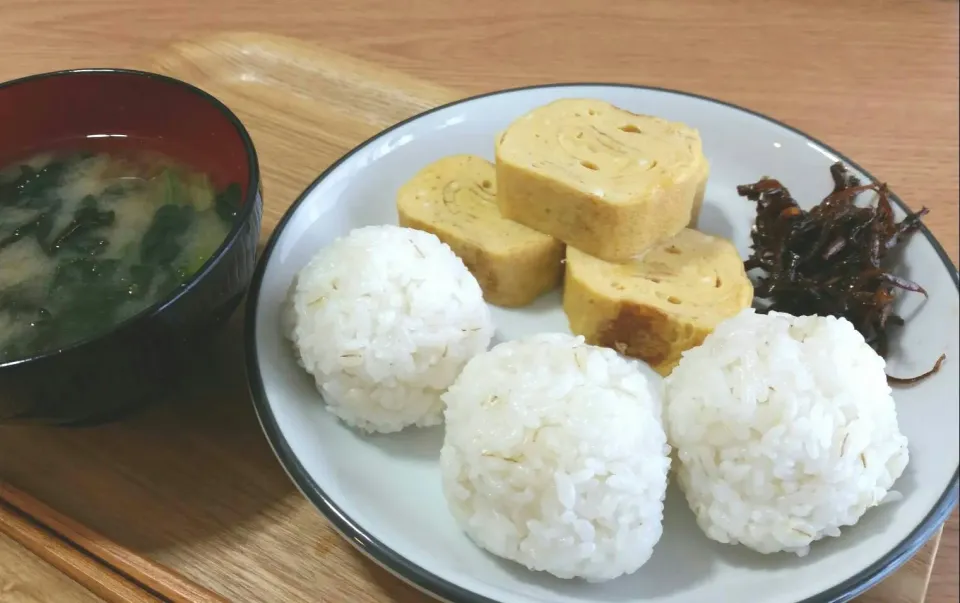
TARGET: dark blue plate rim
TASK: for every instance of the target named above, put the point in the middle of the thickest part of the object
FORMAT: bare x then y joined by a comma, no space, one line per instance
436,586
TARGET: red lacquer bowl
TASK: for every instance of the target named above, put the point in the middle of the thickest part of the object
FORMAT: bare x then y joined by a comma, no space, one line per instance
108,109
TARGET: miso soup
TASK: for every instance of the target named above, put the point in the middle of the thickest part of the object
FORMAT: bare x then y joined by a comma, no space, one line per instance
88,240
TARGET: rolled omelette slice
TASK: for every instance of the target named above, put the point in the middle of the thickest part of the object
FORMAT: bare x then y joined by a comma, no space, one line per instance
660,304
455,199
606,181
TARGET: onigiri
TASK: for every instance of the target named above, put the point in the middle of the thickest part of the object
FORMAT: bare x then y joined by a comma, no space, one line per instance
555,457
384,319
785,430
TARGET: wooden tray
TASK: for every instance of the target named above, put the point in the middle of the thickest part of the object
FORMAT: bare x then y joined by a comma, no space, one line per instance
193,484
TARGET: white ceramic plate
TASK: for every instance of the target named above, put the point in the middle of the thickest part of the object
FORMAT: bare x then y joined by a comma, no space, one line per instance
383,493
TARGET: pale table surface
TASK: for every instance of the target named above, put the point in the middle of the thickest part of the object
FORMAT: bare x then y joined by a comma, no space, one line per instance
900,57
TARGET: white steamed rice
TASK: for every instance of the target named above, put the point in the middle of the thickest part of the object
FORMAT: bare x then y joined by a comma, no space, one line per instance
384,319
785,430
555,457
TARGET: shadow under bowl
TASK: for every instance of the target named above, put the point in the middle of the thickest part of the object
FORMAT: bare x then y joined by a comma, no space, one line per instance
143,357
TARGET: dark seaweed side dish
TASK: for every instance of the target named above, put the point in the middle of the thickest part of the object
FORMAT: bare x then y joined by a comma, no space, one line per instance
834,259
88,240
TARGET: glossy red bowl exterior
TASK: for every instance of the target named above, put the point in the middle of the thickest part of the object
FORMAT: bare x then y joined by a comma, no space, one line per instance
118,371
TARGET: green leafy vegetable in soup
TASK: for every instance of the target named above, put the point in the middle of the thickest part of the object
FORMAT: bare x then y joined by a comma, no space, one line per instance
88,240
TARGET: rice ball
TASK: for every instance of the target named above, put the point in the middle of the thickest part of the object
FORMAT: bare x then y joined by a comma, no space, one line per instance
555,457
785,430
384,320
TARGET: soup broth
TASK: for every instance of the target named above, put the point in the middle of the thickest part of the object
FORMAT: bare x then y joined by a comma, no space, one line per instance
88,240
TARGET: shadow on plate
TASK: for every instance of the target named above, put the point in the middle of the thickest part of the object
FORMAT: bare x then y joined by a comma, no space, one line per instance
180,471
419,444
714,221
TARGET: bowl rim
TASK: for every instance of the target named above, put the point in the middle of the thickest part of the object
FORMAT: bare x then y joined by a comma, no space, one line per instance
445,590
251,199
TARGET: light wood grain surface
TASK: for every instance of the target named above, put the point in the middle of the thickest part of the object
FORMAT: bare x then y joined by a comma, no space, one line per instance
83,569
101,565
25,578
875,79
